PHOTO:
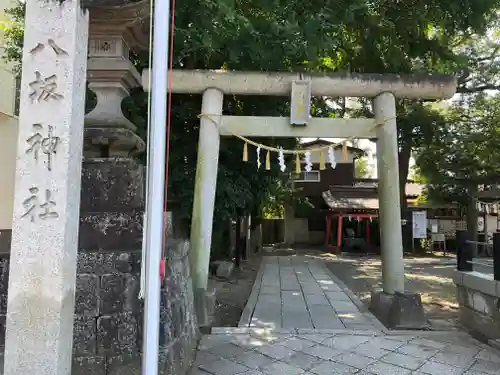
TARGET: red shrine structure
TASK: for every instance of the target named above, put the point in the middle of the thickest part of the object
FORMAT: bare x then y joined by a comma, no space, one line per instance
345,207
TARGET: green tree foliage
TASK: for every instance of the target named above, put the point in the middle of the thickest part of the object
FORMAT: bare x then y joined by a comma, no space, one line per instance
480,56
14,34
361,168
403,36
466,153
471,52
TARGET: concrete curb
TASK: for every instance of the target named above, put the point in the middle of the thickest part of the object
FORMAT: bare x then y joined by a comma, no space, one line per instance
451,336
293,331
246,315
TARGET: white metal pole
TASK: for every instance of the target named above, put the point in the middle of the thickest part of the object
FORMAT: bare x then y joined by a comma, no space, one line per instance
156,188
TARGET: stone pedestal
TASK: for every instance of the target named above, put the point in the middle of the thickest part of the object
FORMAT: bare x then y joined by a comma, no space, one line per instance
204,305
107,337
112,204
108,321
399,310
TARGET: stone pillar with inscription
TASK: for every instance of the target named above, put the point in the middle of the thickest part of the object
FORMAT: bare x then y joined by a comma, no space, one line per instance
41,295
108,314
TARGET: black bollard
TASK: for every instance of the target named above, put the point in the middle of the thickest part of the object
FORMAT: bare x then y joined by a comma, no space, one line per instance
496,256
464,252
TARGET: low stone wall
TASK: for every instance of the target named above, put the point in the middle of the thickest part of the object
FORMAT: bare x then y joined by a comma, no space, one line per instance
108,313
478,295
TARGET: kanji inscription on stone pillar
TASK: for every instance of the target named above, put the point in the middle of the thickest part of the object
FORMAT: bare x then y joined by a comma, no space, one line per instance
39,328
45,144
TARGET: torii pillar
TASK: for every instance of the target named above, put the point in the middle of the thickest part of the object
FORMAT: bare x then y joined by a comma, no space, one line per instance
383,89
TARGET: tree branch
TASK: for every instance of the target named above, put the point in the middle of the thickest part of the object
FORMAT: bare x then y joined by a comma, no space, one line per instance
473,90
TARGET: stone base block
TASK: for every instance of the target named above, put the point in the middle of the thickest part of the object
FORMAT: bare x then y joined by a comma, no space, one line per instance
128,363
355,246
88,366
204,304
107,331
481,325
399,310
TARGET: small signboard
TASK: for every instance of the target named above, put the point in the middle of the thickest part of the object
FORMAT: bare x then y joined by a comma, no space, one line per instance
419,224
300,106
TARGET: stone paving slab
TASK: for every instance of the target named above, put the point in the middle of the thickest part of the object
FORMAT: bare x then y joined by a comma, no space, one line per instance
311,325
300,292
255,351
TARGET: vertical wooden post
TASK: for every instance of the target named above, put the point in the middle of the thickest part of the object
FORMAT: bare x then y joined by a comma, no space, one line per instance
368,234
464,252
237,249
496,256
339,231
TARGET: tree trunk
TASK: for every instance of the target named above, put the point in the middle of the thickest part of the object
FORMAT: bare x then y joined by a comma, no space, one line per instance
245,244
404,167
256,238
238,249
289,215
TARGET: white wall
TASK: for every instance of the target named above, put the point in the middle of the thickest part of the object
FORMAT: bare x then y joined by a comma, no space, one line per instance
315,156
8,143
301,230
491,223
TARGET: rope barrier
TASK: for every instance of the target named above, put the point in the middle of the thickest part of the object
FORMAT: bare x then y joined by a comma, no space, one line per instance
316,149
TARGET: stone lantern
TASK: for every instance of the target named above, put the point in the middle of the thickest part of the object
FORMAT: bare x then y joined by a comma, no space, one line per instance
113,184
109,314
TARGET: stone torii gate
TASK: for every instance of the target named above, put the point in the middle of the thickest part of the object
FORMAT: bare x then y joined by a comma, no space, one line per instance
384,89
62,249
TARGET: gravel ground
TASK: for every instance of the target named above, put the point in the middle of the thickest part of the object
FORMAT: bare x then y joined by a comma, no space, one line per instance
431,277
232,295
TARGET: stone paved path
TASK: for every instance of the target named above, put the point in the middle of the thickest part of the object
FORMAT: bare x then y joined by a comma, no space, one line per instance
300,321
300,292
260,351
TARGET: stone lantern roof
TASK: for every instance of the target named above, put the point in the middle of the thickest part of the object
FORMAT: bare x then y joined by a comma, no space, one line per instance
116,27
130,19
